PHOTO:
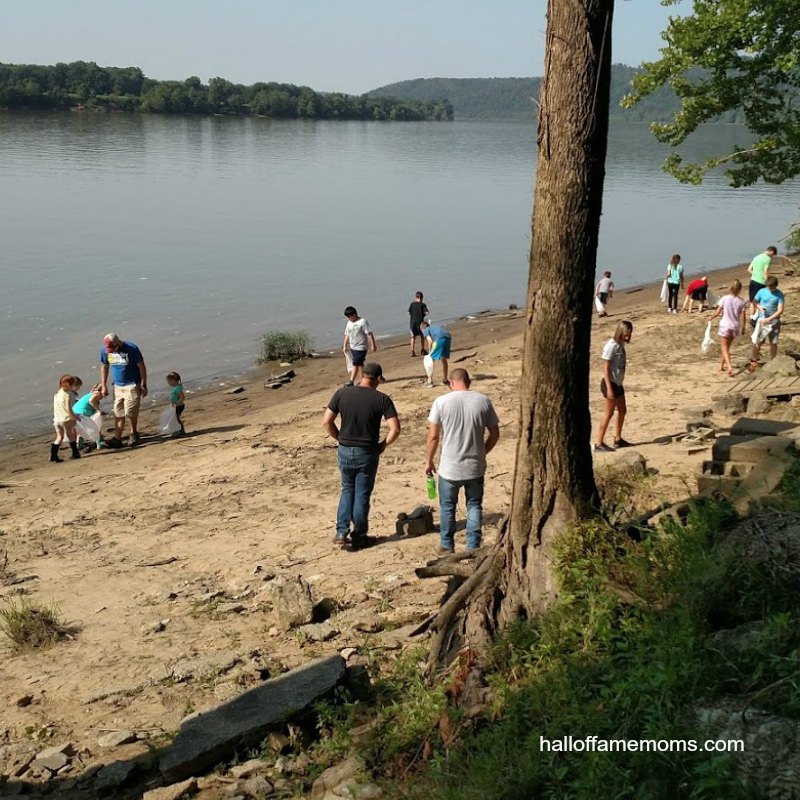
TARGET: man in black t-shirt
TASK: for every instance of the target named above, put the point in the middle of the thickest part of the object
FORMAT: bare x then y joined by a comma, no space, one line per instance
361,409
417,312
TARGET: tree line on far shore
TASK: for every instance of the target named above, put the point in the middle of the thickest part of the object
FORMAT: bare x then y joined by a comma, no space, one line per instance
84,84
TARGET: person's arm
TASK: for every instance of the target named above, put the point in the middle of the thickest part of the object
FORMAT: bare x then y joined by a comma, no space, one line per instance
431,446
607,372
681,274
391,436
717,312
610,289
103,379
329,423
743,319
344,342
597,289
142,378
372,342
492,438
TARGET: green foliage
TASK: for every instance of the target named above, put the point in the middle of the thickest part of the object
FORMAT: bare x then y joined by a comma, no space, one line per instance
29,625
284,346
732,56
85,84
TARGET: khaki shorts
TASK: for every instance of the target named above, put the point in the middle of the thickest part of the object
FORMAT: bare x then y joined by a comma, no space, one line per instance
127,400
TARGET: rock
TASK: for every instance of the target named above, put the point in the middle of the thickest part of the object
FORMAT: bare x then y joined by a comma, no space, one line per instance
348,652
230,608
203,665
66,749
367,791
23,701
732,403
369,622
291,602
255,787
769,761
750,448
631,460
174,792
333,776
114,775
235,390
415,523
247,770
783,365
758,404
116,739
696,412
323,632
761,427
154,627
210,736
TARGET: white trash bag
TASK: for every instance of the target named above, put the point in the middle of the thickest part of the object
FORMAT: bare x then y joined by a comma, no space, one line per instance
427,362
598,304
712,299
664,291
348,360
89,427
707,340
168,421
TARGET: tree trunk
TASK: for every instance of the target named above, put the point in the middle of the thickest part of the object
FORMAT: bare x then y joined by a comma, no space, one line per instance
553,482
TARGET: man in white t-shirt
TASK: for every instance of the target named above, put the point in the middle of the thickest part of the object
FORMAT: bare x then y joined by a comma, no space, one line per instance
358,337
459,419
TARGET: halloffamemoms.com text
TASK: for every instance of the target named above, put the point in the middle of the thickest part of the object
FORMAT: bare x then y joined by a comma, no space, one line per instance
593,744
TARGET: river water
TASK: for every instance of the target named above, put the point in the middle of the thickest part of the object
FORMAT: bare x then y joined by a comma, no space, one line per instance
193,235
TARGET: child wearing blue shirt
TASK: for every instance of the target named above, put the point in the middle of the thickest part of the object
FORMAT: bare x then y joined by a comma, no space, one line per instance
178,399
769,301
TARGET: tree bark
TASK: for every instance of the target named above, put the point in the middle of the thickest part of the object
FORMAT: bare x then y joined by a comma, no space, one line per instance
554,481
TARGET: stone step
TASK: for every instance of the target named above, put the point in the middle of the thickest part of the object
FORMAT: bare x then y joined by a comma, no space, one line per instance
747,426
724,485
732,469
750,448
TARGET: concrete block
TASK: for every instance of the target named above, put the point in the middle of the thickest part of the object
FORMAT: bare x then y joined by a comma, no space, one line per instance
709,485
206,738
732,469
763,427
750,448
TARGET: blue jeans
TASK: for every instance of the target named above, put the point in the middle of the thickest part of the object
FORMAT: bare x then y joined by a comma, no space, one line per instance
358,466
448,498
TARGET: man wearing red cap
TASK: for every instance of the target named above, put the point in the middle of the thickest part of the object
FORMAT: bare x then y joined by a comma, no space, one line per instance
129,375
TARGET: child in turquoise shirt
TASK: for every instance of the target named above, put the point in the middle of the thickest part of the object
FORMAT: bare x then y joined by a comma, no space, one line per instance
178,399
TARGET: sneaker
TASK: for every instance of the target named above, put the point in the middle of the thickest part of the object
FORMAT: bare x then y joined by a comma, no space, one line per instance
113,443
429,385
602,448
622,443
445,551
340,542
423,352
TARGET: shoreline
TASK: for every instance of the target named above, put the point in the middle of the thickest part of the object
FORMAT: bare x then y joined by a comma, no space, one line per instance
14,432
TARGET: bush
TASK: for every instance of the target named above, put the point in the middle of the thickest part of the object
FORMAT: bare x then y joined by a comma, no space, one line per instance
29,625
284,346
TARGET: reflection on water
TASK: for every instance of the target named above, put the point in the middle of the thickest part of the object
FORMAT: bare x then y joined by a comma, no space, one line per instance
192,236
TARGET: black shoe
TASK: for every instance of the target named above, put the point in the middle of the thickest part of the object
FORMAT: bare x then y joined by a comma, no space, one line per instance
113,443
602,448
136,438
54,455
622,443
362,542
423,352
74,448
348,383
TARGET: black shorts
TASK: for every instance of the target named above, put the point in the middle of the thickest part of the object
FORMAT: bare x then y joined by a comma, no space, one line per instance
603,297
415,329
358,357
616,389
700,294
755,288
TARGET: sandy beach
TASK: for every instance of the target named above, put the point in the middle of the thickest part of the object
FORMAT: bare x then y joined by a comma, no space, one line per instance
160,557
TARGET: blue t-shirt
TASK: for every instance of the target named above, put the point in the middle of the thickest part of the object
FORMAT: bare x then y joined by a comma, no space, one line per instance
437,332
769,301
124,364
675,271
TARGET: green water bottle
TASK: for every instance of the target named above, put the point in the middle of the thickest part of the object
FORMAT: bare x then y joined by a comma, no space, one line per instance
431,487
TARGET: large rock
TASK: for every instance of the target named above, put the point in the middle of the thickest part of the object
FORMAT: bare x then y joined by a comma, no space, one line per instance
631,460
206,738
291,600
732,403
336,775
781,366
769,760
761,427
750,448
174,792
758,404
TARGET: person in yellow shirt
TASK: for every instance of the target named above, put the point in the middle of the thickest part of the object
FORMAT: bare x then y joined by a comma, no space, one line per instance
64,418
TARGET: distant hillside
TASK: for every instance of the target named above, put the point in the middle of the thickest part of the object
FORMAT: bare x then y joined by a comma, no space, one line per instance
510,98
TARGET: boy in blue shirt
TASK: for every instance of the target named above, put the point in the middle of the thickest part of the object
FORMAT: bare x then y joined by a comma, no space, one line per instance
438,347
769,301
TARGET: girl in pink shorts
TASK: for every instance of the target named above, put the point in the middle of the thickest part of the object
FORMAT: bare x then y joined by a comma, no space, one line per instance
731,308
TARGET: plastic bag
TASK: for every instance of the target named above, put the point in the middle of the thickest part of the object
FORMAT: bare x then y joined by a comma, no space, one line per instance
712,299
664,291
599,305
89,427
427,362
348,360
168,421
707,340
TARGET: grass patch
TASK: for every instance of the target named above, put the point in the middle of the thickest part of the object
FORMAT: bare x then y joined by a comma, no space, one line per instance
29,625
284,346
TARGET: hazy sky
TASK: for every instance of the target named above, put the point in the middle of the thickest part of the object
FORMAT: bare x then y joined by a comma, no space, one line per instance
345,45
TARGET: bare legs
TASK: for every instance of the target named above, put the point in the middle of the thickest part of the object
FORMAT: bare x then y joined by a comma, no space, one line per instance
725,355
612,404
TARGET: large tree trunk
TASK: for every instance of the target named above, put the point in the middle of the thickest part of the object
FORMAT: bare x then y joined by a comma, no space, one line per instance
554,482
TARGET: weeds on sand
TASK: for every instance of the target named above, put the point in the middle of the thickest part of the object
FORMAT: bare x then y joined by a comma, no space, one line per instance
284,346
29,625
